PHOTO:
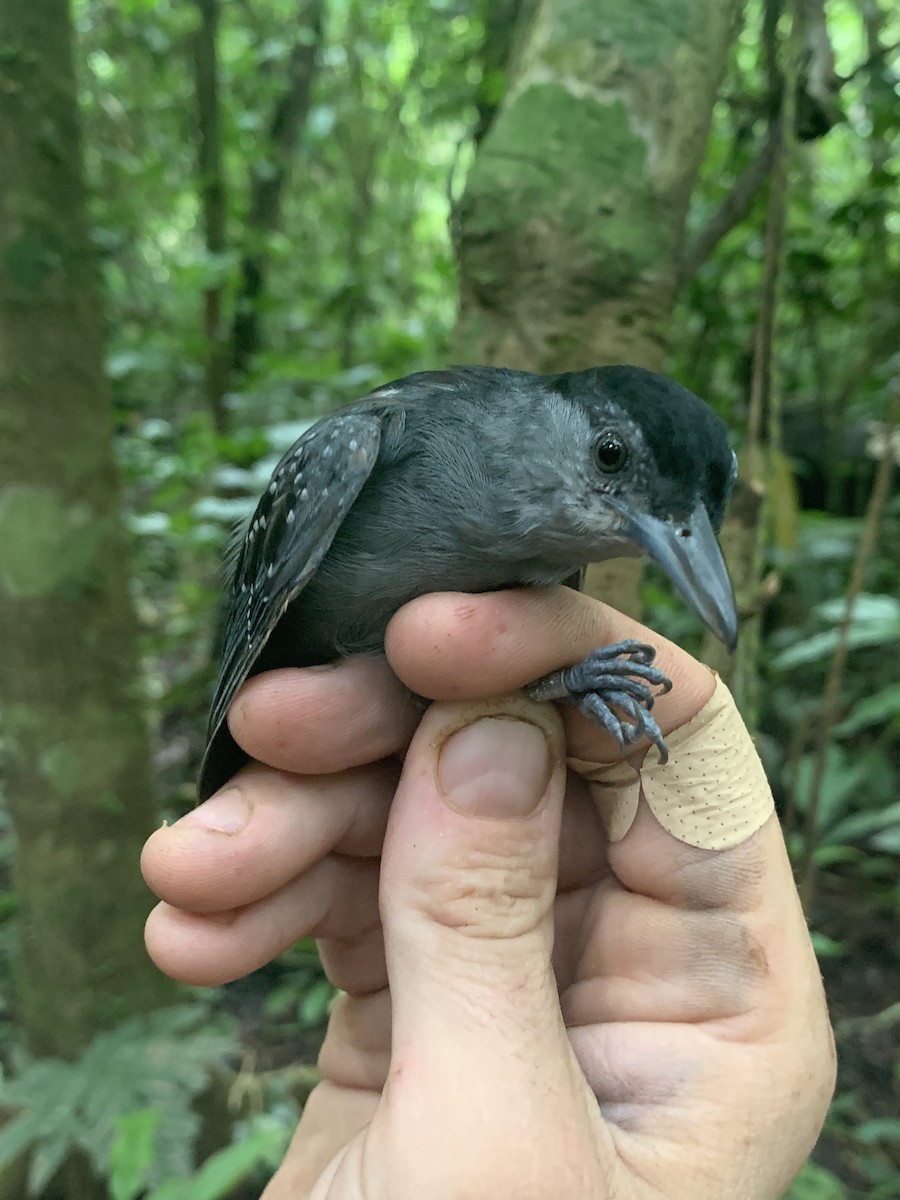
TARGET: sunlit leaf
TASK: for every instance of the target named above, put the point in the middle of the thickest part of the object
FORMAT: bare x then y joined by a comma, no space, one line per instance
131,1155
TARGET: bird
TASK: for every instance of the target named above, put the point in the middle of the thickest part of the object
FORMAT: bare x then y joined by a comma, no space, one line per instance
475,479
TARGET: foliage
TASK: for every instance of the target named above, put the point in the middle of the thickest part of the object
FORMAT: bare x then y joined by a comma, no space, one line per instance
133,1162
816,1183
303,996
157,1063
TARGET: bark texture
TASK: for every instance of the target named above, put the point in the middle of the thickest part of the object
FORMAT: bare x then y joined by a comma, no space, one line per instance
571,229
213,202
572,221
76,760
269,178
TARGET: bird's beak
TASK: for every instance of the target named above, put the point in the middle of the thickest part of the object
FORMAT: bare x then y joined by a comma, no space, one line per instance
690,555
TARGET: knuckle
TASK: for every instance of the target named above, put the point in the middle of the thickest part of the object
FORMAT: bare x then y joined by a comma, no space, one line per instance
487,896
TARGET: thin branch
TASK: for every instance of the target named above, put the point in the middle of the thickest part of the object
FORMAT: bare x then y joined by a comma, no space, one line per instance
735,207
769,51
501,21
881,490
212,199
818,106
267,185
761,384
869,1023
782,83
763,417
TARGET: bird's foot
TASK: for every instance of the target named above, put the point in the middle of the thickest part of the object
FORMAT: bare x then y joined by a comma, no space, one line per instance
612,687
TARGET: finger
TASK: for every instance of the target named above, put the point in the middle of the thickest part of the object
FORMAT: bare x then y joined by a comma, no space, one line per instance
357,1046
320,719
721,998
452,645
355,963
264,829
335,898
332,1119
468,887
640,960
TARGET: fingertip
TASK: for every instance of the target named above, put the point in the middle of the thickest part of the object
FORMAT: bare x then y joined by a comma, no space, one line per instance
316,720
475,821
429,636
453,646
192,949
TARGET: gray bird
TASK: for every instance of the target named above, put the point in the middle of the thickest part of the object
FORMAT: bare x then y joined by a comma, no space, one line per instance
470,480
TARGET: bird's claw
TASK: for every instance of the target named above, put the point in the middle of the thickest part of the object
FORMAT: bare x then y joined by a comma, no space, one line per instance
612,687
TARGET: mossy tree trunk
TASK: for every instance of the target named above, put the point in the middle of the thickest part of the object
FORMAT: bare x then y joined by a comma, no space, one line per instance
570,231
75,749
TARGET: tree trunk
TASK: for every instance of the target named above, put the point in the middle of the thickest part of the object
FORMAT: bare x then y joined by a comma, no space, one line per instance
570,232
572,222
269,179
213,201
75,745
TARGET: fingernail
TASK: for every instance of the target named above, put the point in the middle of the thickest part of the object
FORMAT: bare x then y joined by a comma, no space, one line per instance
228,812
495,768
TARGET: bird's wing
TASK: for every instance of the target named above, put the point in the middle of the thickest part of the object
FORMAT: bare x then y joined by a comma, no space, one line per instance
278,551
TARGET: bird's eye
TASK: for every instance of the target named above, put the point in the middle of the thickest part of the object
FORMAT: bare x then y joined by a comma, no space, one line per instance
611,453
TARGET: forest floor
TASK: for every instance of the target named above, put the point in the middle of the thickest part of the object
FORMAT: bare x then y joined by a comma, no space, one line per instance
860,983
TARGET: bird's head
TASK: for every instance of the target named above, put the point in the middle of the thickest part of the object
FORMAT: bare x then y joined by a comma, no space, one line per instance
653,474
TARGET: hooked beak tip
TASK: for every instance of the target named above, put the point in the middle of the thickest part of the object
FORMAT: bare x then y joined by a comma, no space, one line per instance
729,636
690,555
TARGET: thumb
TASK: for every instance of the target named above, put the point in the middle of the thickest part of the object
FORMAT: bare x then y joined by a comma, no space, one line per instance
467,894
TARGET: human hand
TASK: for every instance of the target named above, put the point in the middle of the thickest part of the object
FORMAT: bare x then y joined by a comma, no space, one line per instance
534,1012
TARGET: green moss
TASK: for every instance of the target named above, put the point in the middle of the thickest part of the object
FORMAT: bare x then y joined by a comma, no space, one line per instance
45,543
596,191
29,262
644,34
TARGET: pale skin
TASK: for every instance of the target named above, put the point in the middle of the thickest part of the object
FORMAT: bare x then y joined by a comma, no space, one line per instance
527,1010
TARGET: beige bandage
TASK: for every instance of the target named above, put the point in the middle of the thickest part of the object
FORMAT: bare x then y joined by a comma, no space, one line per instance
712,793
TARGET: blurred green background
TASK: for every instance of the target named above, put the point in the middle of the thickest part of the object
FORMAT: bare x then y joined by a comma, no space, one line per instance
286,204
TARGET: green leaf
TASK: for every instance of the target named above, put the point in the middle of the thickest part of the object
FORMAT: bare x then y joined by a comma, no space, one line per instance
875,622
131,1156
873,710
879,1129
828,855
860,825
220,1174
45,1162
815,1183
160,1061
888,840
844,777
172,1189
868,609
822,645
825,946
315,1004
